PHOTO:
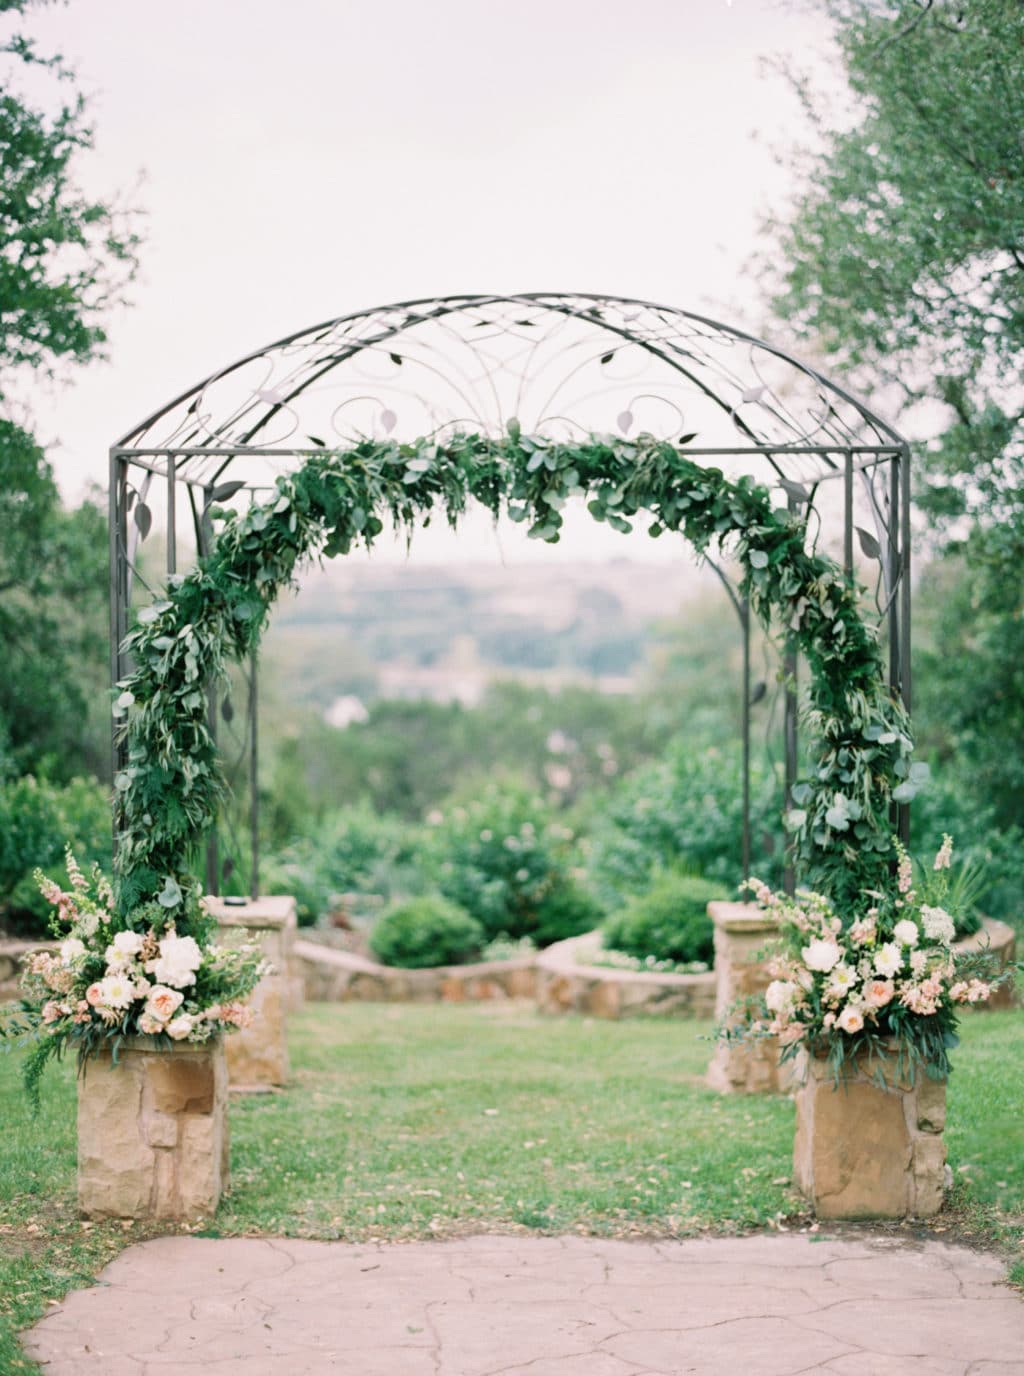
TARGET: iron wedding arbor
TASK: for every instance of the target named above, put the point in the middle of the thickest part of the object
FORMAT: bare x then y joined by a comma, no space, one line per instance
565,366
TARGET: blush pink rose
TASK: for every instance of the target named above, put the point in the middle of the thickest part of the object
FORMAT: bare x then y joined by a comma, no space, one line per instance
879,992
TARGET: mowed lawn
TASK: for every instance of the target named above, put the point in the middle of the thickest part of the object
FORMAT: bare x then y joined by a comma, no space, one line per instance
413,1121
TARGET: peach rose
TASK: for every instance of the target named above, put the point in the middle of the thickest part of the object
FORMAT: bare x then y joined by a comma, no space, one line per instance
879,992
162,1002
850,1020
179,1027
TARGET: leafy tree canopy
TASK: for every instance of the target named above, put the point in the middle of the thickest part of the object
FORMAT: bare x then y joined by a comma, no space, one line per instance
904,252
65,257
65,260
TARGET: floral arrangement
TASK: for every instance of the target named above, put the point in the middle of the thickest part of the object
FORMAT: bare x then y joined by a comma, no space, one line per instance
111,978
887,980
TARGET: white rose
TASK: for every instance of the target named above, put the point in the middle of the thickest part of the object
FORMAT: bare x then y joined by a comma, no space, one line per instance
889,959
71,949
128,942
177,962
179,1027
779,996
821,955
906,932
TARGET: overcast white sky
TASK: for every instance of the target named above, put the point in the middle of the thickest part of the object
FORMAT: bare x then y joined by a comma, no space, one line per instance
309,158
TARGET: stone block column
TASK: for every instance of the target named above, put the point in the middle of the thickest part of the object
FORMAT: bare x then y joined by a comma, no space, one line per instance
744,1067
153,1132
257,1056
865,1150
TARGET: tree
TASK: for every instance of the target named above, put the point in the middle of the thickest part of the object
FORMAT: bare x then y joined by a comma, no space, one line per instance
903,258
53,619
904,252
65,260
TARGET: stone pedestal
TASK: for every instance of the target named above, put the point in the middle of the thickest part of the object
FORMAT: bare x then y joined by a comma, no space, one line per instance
152,1132
257,1056
864,1151
742,930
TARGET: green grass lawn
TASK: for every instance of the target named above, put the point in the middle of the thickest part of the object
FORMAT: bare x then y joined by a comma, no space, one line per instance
411,1121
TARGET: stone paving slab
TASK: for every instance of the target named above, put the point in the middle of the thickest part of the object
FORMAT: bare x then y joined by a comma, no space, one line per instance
779,1305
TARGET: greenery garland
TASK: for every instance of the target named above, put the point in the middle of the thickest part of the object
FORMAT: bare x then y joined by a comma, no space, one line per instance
168,792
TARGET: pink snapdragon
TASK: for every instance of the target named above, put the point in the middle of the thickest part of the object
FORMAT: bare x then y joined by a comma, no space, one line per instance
945,853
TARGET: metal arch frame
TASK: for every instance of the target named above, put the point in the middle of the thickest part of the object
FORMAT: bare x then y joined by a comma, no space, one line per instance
843,457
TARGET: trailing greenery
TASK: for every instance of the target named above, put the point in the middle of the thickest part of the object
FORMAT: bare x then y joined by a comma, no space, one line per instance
669,922
167,794
425,931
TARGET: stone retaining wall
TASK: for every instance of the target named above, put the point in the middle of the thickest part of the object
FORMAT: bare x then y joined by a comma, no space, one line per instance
555,978
332,976
565,984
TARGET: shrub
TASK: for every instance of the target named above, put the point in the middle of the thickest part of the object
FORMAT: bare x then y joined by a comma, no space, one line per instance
426,931
37,820
686,812
668,922
505,859
353,850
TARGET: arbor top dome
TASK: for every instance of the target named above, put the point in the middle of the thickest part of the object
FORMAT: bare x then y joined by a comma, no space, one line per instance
564,365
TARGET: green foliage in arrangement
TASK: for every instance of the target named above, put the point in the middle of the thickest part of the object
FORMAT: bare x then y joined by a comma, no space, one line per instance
424,931
669,922
353,850
38,819
504,857
168,792
685,812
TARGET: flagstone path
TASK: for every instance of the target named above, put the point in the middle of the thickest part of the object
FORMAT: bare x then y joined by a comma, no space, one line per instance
853,1304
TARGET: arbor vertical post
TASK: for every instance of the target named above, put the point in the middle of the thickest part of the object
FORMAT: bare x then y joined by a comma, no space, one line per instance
118,577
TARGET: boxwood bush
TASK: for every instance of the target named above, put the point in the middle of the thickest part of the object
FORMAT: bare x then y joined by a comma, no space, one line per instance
423,931
668,922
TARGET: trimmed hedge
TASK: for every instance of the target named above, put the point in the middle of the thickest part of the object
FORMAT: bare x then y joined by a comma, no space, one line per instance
426,931
669,922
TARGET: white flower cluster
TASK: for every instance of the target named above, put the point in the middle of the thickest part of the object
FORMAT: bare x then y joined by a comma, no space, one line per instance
148,979
841,980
